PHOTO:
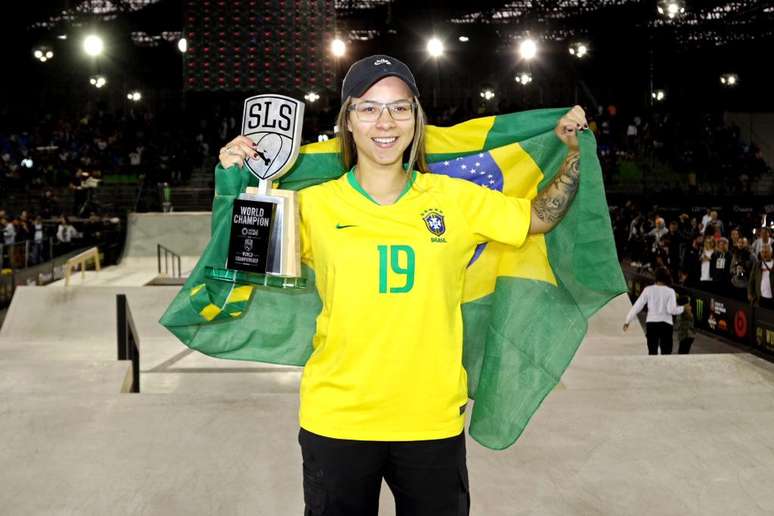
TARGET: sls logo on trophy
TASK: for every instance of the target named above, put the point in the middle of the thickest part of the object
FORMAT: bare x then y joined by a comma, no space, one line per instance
273,122
264,247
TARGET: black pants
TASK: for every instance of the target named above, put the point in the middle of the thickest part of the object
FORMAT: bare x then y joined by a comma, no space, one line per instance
685,346
659,335
343,477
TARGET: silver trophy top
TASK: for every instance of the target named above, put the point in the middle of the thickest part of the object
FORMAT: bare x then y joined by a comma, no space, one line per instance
274,123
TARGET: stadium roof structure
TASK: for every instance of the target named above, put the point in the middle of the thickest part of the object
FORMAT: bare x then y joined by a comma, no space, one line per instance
706,23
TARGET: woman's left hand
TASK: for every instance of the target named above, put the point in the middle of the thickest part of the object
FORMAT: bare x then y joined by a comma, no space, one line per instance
569,125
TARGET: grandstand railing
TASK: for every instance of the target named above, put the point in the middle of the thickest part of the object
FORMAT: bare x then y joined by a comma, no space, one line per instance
128,340
21,255
169,256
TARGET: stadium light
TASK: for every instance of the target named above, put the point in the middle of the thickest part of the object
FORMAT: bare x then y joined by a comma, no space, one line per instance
62,36
435,47
579,50
98,81
93,45
658,95
338,47
524,78
312,96
464,39
528,49
43,54
671,8
182,45
134,96
729,80
487,94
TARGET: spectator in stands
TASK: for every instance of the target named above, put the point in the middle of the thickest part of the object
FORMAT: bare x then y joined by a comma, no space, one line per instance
49,205
742,263
37,247
733,237
684,324
659,231
662,305
691,262
65,232
636,240
662,254
720,268
677,244
713,225
9,231
705,264
705,221
761,283
23,227
764,238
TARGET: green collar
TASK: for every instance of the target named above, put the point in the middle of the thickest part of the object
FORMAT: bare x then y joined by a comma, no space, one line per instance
353,181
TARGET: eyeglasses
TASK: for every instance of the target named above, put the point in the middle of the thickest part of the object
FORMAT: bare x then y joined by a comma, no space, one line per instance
369,111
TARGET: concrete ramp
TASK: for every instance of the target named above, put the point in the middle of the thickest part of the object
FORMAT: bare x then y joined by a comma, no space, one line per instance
185,233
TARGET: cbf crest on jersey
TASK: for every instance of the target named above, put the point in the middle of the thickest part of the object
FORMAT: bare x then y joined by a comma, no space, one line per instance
434,221
274,123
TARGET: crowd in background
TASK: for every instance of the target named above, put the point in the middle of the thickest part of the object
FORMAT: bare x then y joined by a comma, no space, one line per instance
65,148
729,257
28,239
705,153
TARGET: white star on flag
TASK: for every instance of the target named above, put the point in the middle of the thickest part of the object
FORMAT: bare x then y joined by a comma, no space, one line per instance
464,167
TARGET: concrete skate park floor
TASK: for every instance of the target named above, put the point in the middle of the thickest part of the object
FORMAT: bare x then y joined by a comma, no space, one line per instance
622,434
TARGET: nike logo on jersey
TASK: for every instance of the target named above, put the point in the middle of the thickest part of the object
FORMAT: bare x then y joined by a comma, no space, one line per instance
344,226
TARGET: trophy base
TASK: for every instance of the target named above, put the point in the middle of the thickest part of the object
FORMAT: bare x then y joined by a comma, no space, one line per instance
253,278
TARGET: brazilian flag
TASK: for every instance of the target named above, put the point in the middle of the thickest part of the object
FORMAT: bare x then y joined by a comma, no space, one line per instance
525,310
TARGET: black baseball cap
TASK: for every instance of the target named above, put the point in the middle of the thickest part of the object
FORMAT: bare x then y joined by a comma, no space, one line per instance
364,73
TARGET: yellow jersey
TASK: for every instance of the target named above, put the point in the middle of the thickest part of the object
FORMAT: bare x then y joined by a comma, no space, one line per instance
387,352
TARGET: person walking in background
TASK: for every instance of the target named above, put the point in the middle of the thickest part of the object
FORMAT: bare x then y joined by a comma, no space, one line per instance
661,301
686,329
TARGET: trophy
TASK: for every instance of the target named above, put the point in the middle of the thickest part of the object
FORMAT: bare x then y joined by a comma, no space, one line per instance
264,248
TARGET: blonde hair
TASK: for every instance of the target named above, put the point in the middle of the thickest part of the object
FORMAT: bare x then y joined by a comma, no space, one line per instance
415,155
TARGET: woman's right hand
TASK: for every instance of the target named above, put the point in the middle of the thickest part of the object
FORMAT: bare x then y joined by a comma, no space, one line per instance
236,152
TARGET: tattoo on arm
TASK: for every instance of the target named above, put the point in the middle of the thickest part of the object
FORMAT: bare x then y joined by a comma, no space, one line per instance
553,202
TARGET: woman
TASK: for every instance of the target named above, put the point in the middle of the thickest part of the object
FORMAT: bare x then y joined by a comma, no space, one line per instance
661,301
705,264
384,393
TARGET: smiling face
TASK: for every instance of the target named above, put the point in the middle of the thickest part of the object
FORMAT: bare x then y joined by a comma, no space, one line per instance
383,142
